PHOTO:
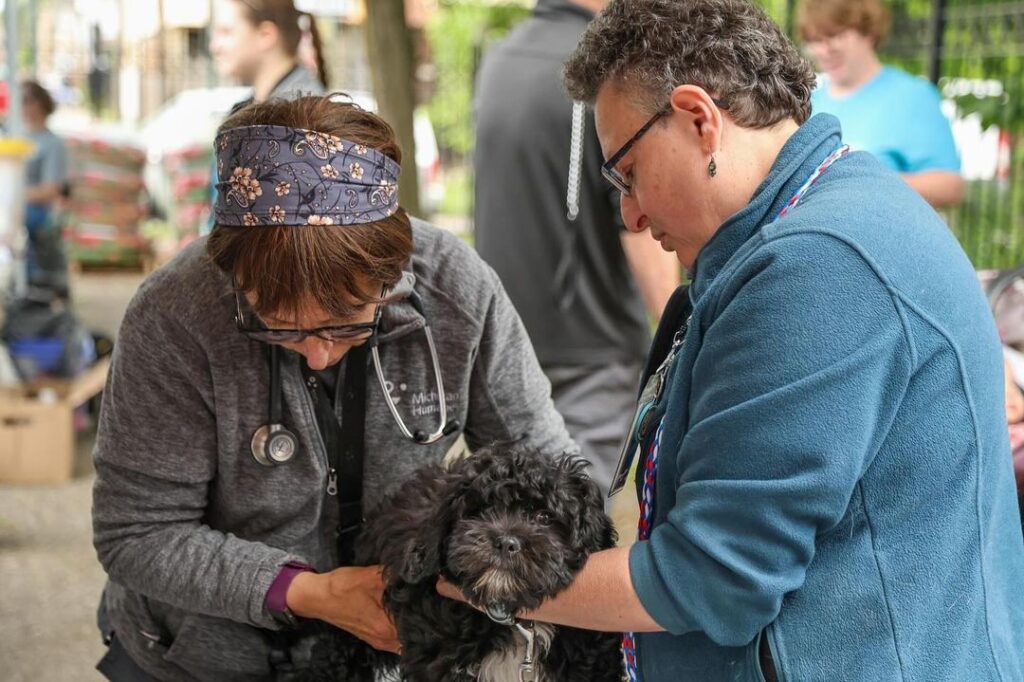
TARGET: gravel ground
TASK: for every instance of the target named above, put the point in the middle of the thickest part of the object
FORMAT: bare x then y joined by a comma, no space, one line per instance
50,580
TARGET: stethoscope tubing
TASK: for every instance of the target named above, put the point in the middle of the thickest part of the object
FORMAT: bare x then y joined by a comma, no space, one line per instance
442,427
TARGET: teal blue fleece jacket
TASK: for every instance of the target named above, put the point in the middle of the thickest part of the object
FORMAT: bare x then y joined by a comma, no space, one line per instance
835,468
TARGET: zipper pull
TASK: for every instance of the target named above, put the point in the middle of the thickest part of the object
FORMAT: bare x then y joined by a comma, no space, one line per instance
332,482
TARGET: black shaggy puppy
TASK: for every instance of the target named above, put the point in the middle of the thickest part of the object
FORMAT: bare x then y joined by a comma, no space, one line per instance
510,528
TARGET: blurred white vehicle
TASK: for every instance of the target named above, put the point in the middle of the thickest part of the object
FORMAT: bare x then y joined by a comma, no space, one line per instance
191,118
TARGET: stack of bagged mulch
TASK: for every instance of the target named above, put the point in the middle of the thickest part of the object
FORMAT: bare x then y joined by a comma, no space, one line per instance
107,203
189,170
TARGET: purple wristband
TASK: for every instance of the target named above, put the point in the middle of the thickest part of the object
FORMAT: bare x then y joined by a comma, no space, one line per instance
276,596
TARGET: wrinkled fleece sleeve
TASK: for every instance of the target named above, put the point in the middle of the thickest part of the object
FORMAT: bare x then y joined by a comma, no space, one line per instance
794,388
510,397
155,456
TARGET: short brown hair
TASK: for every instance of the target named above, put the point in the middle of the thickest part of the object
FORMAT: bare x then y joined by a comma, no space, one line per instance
33,91
287,266
870,18
728,47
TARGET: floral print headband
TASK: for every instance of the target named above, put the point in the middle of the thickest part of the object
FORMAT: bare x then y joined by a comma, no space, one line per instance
275,175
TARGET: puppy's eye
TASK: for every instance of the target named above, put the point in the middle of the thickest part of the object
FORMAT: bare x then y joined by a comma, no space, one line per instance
544,518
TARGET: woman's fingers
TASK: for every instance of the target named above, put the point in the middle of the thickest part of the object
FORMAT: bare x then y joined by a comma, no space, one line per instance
446,589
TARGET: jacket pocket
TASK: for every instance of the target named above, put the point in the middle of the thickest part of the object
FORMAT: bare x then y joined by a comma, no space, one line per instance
218,650
128,614
764,658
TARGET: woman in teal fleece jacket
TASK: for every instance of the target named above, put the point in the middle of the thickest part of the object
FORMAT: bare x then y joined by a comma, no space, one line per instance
832,496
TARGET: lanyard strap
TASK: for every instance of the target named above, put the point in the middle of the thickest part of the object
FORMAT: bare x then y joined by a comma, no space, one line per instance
822,167
643,533
345,444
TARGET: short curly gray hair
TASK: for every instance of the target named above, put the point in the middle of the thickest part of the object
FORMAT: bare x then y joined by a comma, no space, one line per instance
728,47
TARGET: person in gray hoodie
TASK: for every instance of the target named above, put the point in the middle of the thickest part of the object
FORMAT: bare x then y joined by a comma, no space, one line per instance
228,492
549,225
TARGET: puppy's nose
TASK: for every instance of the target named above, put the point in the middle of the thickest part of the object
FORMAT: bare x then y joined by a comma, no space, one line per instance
507,544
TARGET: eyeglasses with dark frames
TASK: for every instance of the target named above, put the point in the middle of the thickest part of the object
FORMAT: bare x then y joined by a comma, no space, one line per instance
249,323
612,174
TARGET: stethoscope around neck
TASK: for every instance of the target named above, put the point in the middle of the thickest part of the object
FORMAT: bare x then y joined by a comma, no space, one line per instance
273,444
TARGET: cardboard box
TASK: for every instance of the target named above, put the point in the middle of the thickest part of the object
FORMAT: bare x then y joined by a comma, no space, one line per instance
37,437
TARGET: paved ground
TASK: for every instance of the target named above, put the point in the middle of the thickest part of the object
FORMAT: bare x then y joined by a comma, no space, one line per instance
49,577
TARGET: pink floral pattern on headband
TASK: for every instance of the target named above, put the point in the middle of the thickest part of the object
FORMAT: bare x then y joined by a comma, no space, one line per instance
244,187
322,145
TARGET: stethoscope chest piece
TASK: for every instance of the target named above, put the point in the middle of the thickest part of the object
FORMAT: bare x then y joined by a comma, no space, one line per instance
273,444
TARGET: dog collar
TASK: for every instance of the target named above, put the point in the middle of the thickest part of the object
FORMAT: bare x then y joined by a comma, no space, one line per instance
501,617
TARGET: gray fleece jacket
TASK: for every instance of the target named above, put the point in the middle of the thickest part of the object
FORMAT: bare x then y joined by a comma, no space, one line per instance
191,530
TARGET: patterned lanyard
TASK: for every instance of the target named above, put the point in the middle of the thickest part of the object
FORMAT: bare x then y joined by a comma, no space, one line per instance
824,166
642,533
646,522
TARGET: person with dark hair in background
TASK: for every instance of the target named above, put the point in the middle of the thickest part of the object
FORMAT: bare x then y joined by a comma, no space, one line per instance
549,225
913,138
46,181
277,379
311,50
257,42
826,490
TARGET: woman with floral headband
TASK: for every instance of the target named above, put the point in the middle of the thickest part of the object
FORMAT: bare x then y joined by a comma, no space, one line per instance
218,523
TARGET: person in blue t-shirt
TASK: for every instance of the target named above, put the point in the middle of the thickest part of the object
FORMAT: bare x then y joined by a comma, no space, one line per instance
885,111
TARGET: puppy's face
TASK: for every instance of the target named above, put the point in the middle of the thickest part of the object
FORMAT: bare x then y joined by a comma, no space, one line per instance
520,526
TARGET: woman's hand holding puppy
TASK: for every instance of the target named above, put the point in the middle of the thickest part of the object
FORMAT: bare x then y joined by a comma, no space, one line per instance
350,598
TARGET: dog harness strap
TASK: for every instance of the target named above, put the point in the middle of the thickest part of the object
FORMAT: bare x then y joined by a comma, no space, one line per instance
527,671
527,668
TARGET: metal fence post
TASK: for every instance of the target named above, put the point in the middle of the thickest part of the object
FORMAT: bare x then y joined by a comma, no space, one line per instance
938,31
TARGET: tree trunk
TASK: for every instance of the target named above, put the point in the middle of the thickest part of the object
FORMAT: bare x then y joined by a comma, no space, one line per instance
389,46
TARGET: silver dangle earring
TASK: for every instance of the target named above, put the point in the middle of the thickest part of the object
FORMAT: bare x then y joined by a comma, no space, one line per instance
712,167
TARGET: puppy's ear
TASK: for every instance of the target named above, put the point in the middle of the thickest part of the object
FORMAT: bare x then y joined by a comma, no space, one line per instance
420,560
423,554
409,529
593,529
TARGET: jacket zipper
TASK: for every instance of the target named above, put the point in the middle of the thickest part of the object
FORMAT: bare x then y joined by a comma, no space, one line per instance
310,409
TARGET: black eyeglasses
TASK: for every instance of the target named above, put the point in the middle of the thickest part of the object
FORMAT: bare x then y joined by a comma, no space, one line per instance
249,323
611,173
